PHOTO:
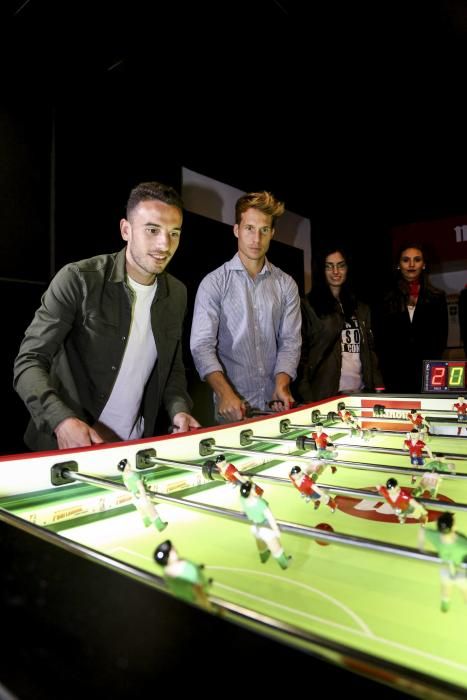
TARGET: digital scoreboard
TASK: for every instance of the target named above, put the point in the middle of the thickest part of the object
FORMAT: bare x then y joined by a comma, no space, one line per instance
444,375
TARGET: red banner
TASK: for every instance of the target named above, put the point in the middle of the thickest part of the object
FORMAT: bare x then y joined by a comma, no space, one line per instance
394,408
445,239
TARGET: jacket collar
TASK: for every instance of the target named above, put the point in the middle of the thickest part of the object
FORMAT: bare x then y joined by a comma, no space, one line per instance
118,270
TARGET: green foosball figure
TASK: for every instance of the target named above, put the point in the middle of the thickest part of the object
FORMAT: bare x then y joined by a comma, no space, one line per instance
184,578
142,502
264,526
452,550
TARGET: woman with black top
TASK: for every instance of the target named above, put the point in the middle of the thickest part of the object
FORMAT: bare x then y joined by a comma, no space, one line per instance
413,324
337,343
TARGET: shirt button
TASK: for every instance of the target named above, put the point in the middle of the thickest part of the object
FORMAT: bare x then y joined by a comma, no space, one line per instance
123,337
114,369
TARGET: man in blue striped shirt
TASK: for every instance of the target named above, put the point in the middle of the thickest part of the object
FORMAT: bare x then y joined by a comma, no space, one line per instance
245,337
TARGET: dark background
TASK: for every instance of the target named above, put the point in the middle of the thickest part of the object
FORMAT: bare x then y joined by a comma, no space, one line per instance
353,113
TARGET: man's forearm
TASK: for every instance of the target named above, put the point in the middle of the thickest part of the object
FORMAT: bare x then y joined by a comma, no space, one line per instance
282,380
219,385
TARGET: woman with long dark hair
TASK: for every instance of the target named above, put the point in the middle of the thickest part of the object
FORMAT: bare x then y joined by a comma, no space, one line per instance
337,343
414,323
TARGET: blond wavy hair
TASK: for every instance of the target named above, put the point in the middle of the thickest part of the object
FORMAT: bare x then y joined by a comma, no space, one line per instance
264,201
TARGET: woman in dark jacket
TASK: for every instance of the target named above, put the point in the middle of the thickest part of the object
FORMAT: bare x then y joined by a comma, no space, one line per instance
413,325
337,343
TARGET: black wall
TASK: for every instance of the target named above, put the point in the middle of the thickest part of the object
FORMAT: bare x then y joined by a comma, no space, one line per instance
65,178
25,171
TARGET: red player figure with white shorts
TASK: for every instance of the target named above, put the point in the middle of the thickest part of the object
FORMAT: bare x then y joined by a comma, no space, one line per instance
461,409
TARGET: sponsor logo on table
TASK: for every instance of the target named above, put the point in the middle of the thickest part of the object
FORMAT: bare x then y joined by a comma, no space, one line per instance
394,409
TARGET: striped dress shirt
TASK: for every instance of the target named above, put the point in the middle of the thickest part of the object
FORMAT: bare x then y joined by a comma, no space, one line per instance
247,328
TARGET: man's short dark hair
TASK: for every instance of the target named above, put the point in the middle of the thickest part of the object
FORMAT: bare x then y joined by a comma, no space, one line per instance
153,190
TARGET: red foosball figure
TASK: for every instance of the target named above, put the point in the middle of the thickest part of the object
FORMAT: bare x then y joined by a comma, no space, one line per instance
415,446
418,421
402,502
350,419
461,409
309,490
232,475
323,442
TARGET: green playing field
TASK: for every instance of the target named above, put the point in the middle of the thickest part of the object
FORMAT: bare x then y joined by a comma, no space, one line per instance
382,604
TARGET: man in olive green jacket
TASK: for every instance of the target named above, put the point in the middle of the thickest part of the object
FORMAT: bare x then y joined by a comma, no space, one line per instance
103,351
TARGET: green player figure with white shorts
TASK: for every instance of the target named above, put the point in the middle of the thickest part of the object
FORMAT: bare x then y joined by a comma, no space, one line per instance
264,526
141,500
452,550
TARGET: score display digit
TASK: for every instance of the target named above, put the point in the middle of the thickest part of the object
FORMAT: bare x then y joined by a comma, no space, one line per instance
438,377
456,377
444,375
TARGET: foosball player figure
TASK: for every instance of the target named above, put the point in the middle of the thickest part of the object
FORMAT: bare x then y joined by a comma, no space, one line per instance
143,504
430,482
221,470
402,502
379,410
451,547
349,418
308,489
461,409
264,526
418,422
315,467
184,578
232,475
322,443
415,446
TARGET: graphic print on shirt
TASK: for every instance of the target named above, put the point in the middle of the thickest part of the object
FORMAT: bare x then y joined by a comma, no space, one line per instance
350,338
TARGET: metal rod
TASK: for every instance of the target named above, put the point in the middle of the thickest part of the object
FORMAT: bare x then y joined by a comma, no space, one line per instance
431,411
295,528
393,451
349,465
378,431
337,489
190,466
279,440
254,453
387,468
362,466
356,465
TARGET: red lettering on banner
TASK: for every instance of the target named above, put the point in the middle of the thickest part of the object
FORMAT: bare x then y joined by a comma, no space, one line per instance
395,408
